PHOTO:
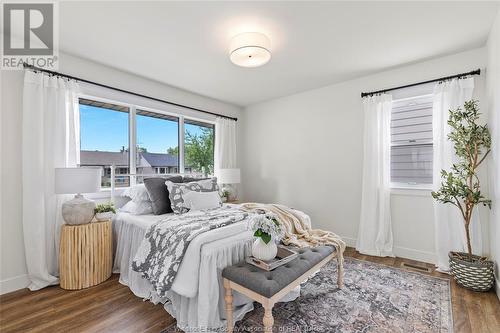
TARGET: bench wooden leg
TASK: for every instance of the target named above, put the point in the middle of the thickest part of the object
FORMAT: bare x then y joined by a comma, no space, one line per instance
340,273
268,319
229,305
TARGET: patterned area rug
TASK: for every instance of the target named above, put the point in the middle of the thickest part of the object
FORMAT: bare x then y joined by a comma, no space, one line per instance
375,298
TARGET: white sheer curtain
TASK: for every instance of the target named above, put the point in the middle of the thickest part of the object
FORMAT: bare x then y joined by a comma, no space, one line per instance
449,227
225,144
50,140
375,230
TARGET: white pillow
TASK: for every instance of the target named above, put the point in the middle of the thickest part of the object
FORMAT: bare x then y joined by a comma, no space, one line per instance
137,207
201,200
137,193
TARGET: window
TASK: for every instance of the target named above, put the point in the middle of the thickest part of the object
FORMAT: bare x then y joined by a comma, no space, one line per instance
104,139
157,143
198,147
411,142
107,130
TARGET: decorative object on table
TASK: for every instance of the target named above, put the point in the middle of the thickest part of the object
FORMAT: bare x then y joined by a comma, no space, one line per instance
224,195
104,212
85,255
227,178
283,256
267,231
460,187
79,210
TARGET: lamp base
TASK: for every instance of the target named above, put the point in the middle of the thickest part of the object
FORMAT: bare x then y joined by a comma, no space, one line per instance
78,210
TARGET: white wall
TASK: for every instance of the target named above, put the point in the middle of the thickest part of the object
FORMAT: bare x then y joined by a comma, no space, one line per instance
305,151
493,79
13,266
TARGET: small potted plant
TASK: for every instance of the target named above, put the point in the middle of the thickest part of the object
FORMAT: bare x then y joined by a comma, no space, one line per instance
224,195
460,187
104,212
267,231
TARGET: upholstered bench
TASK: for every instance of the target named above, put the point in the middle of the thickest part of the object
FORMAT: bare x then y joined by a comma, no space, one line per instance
268,288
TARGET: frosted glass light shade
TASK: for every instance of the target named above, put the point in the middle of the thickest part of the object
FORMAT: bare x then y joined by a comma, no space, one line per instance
77,180
250,49
229,176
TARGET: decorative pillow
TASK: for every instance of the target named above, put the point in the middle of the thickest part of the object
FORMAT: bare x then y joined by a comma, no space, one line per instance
137,193
176,192
202,200
137,207
158,193
187,179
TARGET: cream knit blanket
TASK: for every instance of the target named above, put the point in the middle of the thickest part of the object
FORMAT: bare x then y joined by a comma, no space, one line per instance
298,232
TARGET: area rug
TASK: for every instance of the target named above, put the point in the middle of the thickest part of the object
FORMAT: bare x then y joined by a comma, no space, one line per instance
375,298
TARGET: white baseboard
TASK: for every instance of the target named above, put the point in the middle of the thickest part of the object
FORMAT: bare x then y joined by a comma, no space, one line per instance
413,254
349,241
14,283
402,252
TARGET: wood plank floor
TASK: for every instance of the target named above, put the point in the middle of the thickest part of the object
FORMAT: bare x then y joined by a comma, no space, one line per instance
111,307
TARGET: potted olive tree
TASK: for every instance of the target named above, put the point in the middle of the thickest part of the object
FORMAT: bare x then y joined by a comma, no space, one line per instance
461,187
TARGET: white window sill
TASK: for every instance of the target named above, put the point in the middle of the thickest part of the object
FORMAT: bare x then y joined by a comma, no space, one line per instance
411,191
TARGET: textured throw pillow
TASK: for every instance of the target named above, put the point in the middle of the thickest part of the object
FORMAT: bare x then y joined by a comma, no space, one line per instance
137,207
158,193
202,200
176,192
136,193
187,179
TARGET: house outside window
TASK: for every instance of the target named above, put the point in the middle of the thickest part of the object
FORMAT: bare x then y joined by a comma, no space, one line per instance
114,135
412,142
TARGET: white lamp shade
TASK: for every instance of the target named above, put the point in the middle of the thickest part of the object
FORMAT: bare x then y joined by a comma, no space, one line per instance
229,176
77,180
250,49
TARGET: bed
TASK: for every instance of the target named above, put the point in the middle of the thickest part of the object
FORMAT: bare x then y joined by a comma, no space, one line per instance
198,283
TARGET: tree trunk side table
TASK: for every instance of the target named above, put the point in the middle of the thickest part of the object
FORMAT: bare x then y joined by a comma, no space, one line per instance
85,255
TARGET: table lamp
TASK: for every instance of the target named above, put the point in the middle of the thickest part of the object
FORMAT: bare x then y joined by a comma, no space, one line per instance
78,210
229,177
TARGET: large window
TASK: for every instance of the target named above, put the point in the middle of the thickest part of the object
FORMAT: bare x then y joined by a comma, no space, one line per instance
411,142
198,147
104,139
157,143
140,141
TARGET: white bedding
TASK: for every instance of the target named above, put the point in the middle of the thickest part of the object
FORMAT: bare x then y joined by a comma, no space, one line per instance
198,310
197,286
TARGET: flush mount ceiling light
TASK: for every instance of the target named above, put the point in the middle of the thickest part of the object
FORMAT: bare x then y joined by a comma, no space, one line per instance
250,49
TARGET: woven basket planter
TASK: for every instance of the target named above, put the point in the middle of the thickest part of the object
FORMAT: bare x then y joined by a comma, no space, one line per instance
476,275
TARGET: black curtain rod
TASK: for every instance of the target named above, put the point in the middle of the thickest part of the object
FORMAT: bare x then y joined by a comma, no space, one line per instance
28,66
475,72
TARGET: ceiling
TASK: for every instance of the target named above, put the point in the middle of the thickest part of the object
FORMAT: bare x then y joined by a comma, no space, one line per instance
313,44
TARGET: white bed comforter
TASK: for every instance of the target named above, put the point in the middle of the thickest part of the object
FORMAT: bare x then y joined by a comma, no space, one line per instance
187,278
198,284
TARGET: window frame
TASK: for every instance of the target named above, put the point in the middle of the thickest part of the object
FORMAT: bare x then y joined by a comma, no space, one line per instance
132,130
400,187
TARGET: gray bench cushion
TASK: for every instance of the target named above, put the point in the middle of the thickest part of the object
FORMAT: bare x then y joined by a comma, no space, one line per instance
269,283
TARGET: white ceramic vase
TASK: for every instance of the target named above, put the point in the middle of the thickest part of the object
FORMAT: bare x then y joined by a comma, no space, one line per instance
105,216
263,251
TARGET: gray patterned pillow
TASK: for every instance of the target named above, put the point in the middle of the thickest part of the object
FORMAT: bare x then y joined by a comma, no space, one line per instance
175,192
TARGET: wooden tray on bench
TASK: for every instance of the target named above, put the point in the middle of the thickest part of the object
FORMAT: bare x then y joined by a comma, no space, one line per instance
283,256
